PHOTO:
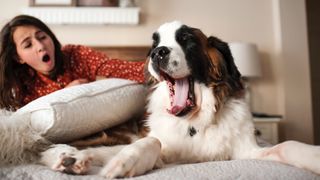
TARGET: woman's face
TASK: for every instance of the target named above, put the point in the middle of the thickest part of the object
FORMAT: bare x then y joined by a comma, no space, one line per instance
35,48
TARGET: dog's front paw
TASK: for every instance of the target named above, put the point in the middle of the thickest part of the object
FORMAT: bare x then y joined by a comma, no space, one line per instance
66,159
134,159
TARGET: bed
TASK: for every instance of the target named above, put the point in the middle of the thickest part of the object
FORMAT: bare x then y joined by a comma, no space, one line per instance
234,169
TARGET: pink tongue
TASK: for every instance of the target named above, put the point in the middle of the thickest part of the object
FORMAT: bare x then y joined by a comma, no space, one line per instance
180,95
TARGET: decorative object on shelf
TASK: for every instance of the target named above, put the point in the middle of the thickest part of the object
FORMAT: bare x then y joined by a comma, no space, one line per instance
247,60
104,3
127,3
52,2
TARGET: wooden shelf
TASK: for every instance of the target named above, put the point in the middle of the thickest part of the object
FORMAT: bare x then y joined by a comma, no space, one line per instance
85,15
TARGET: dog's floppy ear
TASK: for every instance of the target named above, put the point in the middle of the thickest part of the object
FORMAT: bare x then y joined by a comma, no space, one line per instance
224,72
224,49
149,79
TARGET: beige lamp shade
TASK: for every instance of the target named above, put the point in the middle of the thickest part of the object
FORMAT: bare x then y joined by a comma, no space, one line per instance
246,58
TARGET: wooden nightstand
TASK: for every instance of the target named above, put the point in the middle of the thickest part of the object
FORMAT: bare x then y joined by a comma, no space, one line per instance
267,128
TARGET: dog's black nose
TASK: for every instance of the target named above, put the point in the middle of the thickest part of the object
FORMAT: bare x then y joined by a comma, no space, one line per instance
160,53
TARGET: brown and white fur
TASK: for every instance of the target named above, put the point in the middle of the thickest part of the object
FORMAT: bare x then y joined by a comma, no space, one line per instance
204,119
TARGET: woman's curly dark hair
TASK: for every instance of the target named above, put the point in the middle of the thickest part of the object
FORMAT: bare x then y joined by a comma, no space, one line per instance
13,75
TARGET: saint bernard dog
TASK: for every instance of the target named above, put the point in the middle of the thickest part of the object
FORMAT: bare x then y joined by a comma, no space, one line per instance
196,113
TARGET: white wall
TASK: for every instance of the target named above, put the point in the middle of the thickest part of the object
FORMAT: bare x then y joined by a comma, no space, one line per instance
296,71
259,22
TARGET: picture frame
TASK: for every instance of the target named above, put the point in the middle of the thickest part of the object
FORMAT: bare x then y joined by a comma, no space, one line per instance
52,3
98,3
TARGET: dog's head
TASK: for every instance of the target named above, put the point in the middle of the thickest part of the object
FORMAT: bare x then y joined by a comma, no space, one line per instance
181,55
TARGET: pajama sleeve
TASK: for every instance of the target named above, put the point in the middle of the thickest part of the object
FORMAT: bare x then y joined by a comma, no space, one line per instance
99,64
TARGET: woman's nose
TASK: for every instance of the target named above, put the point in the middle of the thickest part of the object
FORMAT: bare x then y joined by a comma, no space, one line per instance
40,46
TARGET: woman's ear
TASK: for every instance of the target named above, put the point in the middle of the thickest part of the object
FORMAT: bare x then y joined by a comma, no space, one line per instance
21,61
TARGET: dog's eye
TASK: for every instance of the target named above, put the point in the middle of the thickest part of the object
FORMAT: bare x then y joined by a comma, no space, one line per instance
186,36
155,38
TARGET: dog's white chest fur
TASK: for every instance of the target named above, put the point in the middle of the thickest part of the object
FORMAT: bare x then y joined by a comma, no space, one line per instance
202,137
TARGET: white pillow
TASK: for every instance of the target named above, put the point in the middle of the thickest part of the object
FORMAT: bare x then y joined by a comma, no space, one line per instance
78,111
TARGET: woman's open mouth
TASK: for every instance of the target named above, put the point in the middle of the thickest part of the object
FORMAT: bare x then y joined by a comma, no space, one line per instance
46,58
181,92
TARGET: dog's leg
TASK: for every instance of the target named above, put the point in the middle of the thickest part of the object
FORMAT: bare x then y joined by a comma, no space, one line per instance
290,152
68,159
134,159
294,153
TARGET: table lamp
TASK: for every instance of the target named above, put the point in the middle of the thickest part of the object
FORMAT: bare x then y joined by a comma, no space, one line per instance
247,60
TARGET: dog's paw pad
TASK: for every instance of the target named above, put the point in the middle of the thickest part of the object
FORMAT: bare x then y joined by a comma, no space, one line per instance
73,163
76,164
69,161
65,158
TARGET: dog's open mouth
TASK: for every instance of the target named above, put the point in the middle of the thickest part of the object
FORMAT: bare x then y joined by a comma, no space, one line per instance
182,96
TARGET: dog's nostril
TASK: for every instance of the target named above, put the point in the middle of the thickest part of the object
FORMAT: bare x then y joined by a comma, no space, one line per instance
68,161
163,51
160,53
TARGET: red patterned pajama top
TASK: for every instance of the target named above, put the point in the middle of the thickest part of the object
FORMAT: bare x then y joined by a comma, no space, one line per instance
84,63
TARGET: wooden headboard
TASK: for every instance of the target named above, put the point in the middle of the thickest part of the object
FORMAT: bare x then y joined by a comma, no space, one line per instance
131,53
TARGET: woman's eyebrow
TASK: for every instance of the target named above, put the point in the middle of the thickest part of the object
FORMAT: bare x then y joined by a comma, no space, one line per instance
39,32
27,38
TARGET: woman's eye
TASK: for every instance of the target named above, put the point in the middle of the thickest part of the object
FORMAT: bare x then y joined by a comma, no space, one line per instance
42,37
27,45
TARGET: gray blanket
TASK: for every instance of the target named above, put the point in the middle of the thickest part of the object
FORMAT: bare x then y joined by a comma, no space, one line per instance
224,170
